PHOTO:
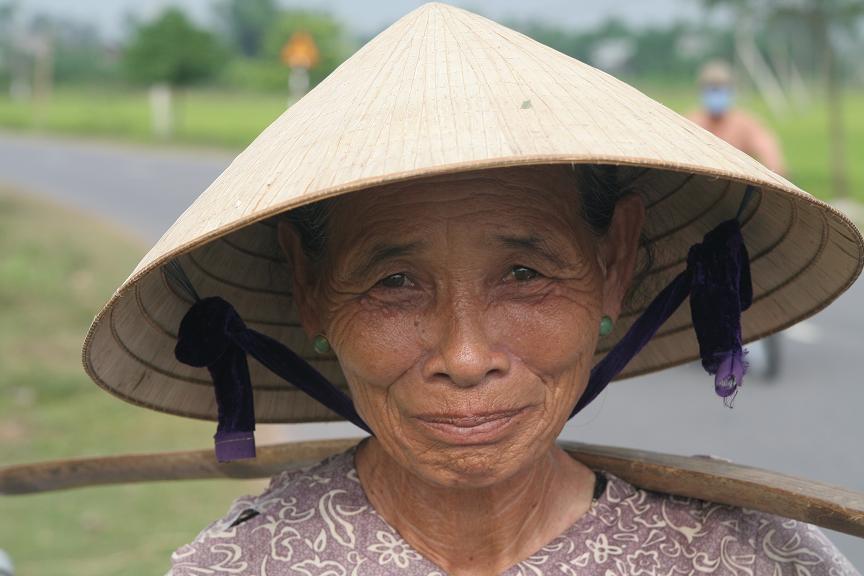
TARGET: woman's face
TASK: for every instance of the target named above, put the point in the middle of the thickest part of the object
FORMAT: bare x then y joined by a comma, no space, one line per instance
464,313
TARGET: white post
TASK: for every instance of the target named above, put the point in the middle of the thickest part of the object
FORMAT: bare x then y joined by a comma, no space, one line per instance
6,567
161,110
298,83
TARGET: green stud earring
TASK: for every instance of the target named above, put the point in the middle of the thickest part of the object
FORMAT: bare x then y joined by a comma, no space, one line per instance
605,325
321,344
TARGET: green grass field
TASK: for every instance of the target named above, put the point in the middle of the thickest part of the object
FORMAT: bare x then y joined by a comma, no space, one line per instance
57,267
233,120
203,117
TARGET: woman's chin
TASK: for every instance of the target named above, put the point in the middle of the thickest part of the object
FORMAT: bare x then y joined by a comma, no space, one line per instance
478,470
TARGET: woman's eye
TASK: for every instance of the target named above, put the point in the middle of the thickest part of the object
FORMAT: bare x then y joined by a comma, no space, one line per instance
399,280
523,274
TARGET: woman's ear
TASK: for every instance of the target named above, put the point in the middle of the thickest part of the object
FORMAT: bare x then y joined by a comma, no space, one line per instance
303,286
619,249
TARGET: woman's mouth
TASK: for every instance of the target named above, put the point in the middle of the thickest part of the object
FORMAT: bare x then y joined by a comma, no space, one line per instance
470,429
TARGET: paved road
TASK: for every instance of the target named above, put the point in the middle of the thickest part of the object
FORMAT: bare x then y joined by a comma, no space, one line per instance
809,424
143,189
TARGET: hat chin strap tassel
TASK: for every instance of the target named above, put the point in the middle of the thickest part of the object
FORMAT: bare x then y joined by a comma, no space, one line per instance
213,335
721,289
206,339
717,279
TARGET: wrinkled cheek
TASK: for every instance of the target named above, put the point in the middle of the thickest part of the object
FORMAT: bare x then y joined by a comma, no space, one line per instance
374,353
554,343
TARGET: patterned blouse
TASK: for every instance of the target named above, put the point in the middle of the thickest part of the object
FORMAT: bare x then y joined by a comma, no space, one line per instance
318,522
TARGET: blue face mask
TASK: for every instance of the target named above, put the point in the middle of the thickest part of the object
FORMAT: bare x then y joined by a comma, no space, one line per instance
717,100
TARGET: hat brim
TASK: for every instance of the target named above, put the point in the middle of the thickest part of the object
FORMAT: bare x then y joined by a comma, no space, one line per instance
803,255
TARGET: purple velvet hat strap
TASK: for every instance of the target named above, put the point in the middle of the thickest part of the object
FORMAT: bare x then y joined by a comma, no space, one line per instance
212,335
717,279
205,340
663,305
721,291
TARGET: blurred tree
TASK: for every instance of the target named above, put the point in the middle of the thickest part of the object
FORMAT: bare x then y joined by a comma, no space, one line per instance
167,53
40,43
172,50
669,52
79,53
7,20
827,21
8,11
246,22
334,45
575,44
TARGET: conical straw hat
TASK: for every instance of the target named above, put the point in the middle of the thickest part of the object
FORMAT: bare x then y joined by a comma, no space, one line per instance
443,91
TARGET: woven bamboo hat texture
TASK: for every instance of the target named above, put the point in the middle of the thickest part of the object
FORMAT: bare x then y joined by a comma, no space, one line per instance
445,91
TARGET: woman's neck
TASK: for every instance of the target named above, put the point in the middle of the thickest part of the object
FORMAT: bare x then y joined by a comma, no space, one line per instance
478,530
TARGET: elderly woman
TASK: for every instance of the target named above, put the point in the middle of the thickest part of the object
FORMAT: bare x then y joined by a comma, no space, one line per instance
455,242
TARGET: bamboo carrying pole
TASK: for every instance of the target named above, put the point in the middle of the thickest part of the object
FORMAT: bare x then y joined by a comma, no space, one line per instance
697,477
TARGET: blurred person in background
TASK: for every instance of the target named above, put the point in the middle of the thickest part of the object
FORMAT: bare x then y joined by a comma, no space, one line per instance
719,116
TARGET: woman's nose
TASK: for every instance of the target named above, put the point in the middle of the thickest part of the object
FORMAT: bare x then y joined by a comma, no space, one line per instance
463,352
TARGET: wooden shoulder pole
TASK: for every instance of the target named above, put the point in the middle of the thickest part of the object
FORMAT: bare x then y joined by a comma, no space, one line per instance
193,465
697,477
733,484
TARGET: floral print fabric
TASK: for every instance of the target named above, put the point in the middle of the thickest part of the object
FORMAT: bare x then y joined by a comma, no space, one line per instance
318,522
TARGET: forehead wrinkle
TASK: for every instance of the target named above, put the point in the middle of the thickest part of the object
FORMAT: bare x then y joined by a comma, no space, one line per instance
523,204
382,252
521,188
534,245
517,189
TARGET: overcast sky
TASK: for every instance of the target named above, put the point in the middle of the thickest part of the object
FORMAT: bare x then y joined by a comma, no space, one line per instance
370,16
